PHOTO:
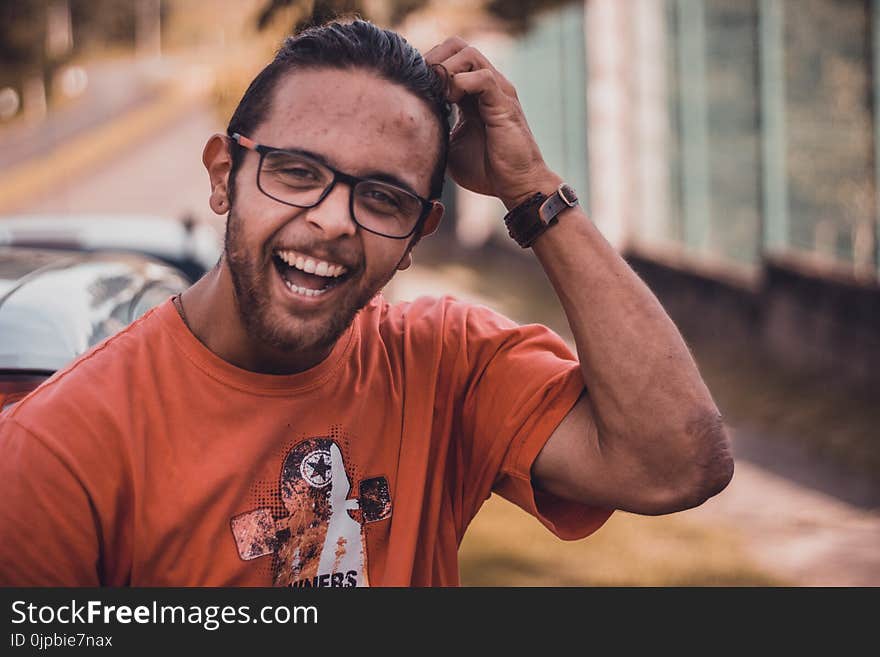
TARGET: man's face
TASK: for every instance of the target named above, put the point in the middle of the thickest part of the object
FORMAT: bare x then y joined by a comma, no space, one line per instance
361,125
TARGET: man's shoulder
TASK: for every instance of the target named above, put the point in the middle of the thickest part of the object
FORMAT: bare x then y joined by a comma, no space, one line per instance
430,327
432,314
468,331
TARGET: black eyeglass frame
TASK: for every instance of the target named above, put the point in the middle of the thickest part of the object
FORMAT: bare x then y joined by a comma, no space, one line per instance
338,176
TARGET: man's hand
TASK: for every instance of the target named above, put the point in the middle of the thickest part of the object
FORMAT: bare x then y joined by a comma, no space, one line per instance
491,150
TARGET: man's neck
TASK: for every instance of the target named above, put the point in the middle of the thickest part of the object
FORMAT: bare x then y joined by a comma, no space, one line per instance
210,312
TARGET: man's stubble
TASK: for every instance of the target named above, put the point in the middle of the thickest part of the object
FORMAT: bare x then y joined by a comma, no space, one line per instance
252,300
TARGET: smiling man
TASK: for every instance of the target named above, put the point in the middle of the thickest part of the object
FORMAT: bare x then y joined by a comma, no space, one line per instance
281,423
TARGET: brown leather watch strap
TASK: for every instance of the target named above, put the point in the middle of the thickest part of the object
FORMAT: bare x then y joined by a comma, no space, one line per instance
524,223
527,221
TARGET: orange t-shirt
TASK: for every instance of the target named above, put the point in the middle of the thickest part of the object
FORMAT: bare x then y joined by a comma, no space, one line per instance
151,461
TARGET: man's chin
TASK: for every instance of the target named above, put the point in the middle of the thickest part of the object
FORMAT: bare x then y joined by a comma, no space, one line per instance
297,334
274,324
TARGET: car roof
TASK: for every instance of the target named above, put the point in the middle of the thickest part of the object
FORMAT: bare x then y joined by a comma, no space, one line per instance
55,305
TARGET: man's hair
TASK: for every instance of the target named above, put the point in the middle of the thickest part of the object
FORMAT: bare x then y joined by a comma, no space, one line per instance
356,44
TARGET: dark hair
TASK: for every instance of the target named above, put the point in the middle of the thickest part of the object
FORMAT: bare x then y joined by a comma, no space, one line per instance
357,44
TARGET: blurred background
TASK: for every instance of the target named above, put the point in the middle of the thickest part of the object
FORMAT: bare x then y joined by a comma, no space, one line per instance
728,148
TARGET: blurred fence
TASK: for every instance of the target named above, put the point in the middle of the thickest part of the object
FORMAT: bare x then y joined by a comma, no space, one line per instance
549,65
727,131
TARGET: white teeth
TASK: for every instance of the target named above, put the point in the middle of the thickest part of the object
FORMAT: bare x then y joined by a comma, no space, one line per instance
310,265
305,290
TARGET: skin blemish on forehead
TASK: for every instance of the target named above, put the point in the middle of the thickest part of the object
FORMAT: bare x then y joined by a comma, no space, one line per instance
406,122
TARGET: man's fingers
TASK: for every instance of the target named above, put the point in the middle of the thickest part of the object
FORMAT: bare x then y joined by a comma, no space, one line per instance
466,59
443,51
471,59
482,83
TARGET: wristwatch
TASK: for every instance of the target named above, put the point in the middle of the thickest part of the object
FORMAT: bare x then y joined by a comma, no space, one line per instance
527,221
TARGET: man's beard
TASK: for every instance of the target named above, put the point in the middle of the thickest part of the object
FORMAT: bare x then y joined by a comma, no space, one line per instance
275,327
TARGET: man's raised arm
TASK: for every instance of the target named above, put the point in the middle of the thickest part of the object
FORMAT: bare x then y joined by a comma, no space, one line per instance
646,436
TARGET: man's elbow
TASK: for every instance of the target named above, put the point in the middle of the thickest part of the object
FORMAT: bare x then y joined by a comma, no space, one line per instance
705,472
713,479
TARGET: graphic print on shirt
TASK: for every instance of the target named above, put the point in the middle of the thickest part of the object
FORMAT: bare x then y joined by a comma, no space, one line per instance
318,540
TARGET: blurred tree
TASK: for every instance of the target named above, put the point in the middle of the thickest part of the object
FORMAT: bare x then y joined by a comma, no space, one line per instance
95,23
517,14
315,12
514,14
103,23
37,37
22,39
309,12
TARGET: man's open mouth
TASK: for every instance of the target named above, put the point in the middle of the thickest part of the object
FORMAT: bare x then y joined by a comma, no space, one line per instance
306,275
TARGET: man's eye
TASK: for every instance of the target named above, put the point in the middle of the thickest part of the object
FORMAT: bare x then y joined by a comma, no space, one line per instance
299,172
378,196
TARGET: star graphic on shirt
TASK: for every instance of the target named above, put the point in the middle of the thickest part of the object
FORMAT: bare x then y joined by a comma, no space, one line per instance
320,468
317,468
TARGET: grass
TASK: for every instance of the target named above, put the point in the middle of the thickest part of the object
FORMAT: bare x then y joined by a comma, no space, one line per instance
505,546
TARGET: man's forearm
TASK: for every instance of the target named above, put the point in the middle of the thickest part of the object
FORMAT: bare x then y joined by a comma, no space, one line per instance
647,396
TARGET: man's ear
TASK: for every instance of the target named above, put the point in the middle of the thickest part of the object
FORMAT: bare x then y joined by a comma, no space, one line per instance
433,220
430,225
218,162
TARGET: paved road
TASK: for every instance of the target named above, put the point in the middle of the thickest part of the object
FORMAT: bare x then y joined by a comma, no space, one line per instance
797,532
161,175
114,87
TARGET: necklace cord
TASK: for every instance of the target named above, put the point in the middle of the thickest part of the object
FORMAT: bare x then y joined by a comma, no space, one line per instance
178,303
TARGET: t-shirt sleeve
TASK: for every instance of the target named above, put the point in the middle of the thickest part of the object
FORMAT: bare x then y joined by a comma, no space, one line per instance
523,382
46,521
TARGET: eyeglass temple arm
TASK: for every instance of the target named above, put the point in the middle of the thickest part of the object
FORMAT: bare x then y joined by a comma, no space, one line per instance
244,141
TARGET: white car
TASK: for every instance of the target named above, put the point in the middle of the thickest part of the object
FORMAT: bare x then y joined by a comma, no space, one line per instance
67,283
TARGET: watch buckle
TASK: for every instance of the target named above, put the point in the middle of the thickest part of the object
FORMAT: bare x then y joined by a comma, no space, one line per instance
564,190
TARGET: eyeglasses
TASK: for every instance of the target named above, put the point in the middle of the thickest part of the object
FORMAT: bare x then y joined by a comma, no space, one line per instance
301,181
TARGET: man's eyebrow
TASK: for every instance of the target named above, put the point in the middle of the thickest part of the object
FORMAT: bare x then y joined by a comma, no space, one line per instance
381,176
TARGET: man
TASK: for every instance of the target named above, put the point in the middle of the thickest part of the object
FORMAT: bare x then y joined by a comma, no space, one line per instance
280,423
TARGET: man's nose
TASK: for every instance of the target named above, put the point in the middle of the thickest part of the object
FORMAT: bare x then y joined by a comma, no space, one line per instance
332,216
